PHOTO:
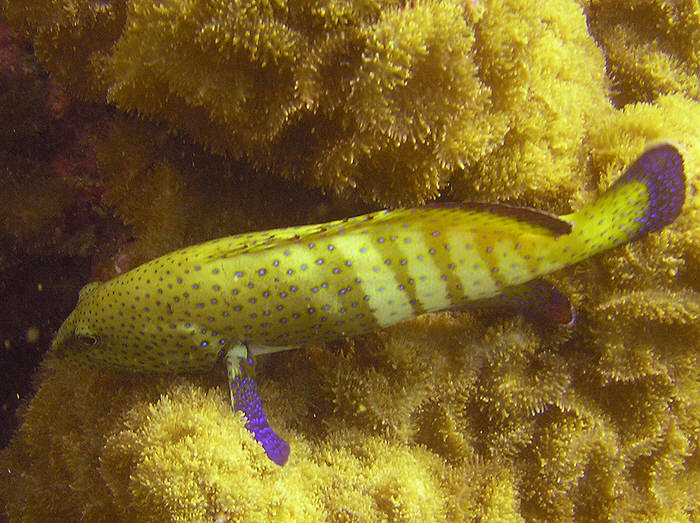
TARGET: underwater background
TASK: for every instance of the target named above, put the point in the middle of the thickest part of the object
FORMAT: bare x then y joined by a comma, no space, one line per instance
129,129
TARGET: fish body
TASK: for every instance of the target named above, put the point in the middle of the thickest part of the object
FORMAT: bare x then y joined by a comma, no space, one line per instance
290,287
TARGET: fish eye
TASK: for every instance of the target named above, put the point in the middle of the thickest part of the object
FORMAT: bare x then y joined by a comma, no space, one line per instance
87,340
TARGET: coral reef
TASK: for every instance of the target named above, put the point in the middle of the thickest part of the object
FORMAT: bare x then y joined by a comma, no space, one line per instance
316,92
652,46
47,221
548,85
376,102
249,113
227,474
71,38
185,195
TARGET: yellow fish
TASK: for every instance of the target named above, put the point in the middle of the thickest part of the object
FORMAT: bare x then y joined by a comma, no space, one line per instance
249,294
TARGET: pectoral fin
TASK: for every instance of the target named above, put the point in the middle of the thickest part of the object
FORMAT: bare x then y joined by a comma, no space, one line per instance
245,397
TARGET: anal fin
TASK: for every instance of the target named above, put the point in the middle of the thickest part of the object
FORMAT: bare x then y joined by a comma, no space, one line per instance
536,298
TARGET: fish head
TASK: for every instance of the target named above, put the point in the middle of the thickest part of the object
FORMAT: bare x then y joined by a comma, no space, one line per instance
78,338
108,332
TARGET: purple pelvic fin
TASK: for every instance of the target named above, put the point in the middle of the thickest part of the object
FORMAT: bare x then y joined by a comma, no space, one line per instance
247,400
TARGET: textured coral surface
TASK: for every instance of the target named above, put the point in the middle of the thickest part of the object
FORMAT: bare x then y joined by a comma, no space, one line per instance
164,124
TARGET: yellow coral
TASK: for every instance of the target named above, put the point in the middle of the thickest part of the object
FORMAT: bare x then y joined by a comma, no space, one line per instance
375,103
548,84
175,451
72,38
388,103
173,194
652,46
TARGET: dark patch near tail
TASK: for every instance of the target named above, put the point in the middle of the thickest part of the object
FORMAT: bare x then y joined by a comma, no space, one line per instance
661,170
537,299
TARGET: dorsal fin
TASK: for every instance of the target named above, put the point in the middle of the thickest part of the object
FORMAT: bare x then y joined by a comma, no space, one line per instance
261,240
544,219
255,241
87,289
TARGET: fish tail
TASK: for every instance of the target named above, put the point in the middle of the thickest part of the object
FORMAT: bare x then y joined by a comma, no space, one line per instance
648,196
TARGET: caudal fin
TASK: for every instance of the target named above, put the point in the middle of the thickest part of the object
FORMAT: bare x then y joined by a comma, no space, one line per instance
648,196
660,169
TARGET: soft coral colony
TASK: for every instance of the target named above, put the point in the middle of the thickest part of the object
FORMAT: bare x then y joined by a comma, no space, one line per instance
450,415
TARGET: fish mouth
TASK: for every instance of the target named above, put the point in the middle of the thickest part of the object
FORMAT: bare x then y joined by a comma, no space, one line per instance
63,339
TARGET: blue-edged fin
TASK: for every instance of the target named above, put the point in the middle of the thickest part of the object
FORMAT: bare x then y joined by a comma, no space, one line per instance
660,169
648,196
245,398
